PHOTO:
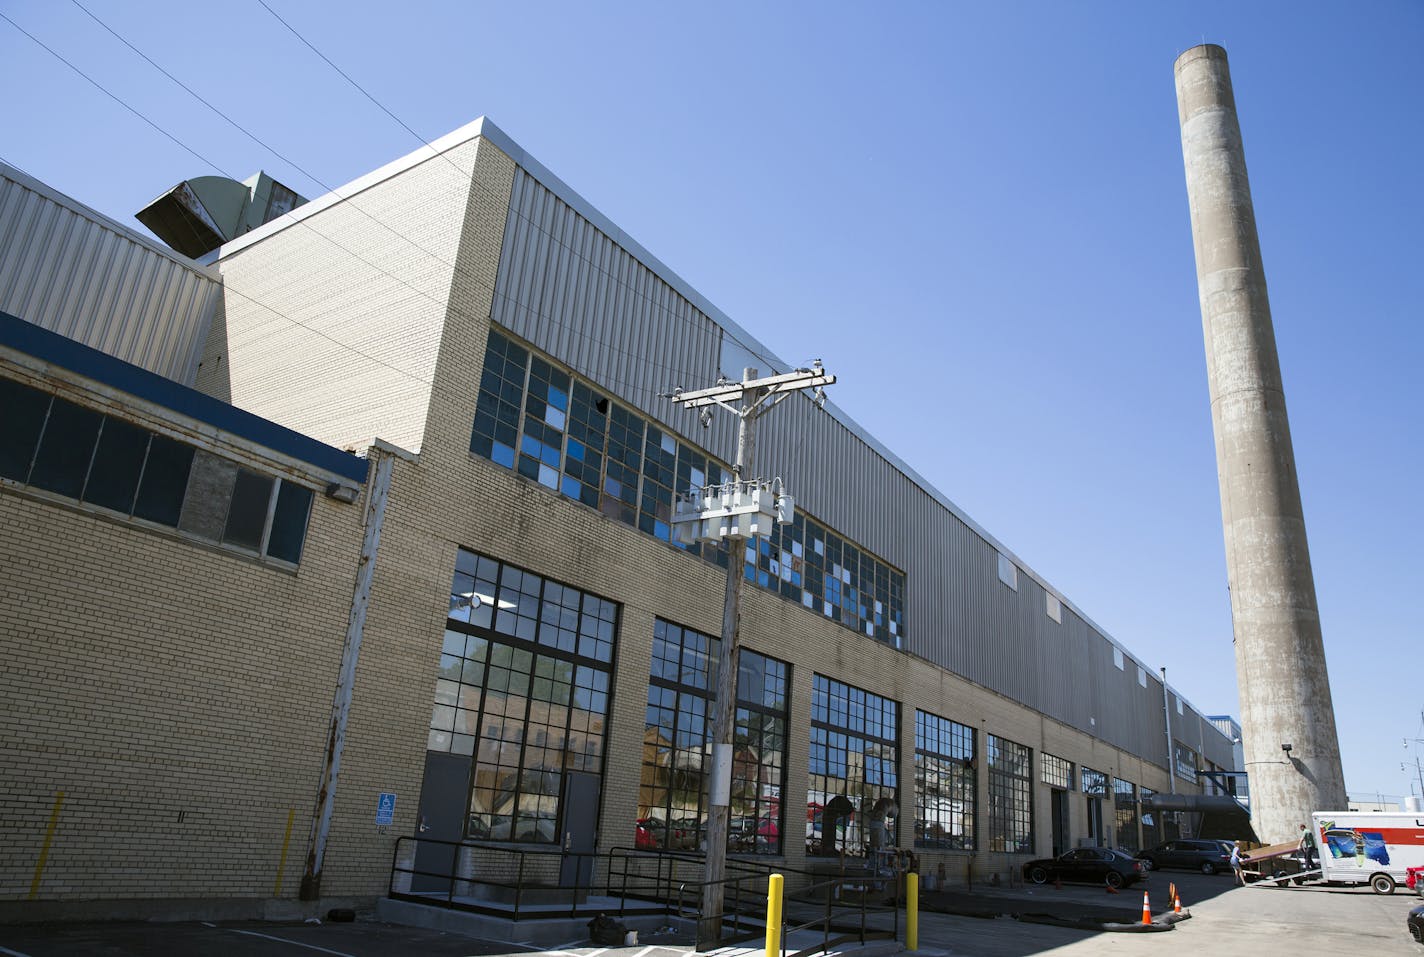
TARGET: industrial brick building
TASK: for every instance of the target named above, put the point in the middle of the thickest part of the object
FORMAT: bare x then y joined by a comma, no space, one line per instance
528,658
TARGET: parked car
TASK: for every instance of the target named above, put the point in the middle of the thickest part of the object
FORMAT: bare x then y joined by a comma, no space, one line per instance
651,834
1414,880
754,833
1209,857
1088,865
1415,923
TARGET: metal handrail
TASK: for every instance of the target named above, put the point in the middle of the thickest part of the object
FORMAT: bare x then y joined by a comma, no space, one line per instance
826,920
619,874
452,877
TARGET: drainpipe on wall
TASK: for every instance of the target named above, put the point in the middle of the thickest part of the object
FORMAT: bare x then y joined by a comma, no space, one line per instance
1171,752
383,457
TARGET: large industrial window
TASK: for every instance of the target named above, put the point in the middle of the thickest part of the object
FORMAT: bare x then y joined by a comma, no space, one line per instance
809,563
524,688
672,793
1186,761
561,432
759,760
1151,831
944,783
1010,797
853,784
51,444
1125,810
1057,772
1094,782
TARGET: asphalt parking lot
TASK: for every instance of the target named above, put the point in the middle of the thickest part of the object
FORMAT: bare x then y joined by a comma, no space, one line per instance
1262,921
238,939
1226,920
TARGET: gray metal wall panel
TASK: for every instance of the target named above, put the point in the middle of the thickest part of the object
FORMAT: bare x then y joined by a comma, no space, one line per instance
70,270
575,293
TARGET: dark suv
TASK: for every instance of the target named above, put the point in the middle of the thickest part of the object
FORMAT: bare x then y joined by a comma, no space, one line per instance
1205,856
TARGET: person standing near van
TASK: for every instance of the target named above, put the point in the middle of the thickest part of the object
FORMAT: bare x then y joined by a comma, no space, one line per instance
1307,847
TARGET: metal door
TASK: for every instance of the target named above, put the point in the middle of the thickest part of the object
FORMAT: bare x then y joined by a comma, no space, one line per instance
580,837
1059,816
1095,819
443,796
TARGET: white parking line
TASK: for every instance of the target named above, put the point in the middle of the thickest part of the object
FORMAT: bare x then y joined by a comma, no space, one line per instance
12,953
294,943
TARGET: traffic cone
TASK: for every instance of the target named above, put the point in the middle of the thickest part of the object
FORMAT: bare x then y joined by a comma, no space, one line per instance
1058,883
1172,890
1176,903
1111,889
1146,909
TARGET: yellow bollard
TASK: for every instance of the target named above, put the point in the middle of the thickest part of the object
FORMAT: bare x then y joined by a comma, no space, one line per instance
773,915
912,911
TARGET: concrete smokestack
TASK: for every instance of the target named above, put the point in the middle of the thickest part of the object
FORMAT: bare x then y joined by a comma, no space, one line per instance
1280,658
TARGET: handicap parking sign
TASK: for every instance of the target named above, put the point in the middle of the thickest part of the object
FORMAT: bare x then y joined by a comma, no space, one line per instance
386,808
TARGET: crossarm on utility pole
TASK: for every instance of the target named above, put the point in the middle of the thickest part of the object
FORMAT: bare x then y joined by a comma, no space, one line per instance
737,391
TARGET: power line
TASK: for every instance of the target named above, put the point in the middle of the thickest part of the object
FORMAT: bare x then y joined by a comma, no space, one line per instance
195,95
100,87
344,75
511,210
465,180
627,389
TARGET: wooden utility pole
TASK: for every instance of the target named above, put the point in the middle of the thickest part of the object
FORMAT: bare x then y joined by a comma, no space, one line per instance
748,400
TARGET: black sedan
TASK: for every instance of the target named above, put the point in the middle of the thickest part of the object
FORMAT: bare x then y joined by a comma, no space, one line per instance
1416,923
1087,865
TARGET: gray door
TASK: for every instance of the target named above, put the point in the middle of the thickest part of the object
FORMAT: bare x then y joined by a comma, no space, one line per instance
1095,820
443,797
1059,815
580,814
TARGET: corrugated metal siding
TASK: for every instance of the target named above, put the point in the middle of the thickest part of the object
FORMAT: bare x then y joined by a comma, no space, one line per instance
67,269
575,293
570,289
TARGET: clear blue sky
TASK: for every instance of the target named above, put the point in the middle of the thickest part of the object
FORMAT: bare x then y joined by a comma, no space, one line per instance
974,213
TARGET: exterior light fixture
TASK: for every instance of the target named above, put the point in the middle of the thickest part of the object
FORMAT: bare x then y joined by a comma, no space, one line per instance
342,493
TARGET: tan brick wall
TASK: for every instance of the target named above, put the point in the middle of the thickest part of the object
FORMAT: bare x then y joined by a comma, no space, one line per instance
331,325
210,690
177,694
453,499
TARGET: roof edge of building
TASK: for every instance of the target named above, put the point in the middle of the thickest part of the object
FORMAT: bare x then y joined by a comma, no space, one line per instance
88,363
99,219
